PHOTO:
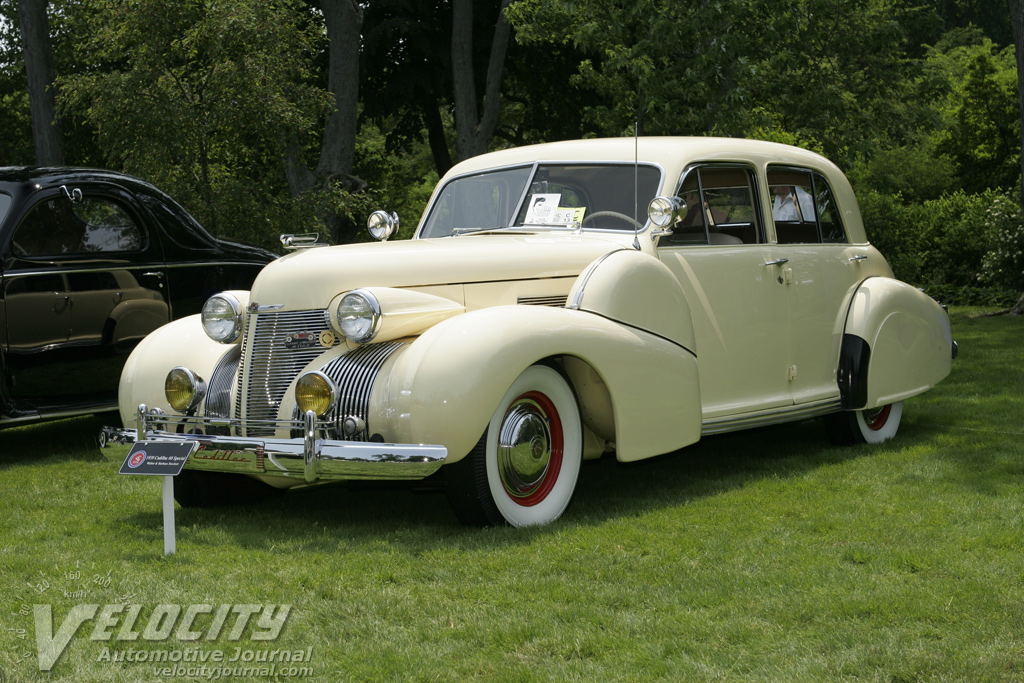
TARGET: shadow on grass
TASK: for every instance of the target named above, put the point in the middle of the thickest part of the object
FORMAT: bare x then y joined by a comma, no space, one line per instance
71,439
331,518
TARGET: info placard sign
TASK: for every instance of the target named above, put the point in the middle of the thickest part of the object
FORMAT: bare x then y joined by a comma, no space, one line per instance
158,457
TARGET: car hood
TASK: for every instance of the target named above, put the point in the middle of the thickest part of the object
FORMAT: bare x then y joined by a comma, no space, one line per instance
310,278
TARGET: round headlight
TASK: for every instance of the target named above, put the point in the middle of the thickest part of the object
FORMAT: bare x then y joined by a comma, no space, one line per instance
359,316
184,389
315,391
662,210
222,318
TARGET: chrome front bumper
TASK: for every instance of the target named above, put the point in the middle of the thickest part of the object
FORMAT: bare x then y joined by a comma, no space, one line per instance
308,458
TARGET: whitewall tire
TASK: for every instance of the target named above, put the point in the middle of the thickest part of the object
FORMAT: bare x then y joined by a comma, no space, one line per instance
524,469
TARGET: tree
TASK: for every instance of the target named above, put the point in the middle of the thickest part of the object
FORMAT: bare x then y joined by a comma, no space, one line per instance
35,40
205,103
475,120
344,21
422,88
1017,24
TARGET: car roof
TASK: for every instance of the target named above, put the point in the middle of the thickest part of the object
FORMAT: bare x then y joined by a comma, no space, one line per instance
668,152
49,174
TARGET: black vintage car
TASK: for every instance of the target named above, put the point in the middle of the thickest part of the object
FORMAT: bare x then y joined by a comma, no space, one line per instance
93,261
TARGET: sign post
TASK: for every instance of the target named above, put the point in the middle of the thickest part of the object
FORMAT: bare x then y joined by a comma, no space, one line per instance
166,459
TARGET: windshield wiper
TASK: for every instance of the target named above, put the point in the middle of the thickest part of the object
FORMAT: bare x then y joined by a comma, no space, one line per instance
467,231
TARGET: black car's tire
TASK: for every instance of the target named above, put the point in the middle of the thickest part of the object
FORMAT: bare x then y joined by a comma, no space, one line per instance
864,426
194,489
523,471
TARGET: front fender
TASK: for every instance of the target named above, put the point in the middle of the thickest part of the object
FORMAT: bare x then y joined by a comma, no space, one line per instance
182,342
897,343
444,386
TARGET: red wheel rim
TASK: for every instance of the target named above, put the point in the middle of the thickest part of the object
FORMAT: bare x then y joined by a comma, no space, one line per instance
530,447
877,419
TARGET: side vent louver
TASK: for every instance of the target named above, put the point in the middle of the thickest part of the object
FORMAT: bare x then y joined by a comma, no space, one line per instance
555,300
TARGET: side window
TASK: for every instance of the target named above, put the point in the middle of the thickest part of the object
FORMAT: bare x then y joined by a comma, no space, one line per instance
830,226
720,208
58,226
803,208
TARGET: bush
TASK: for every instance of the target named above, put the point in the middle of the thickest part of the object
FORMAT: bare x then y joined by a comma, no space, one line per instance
939,242
1003,265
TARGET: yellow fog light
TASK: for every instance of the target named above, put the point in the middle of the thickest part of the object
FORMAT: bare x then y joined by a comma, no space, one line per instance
184,389
315,391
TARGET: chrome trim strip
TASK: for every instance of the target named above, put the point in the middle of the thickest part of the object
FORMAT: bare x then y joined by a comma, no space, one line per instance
585,277
732,423
141,266
46,416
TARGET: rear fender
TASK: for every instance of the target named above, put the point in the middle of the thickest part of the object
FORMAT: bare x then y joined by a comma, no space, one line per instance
896,344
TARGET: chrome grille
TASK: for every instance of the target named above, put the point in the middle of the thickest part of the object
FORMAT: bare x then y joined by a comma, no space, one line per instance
269,366
218,395
354,374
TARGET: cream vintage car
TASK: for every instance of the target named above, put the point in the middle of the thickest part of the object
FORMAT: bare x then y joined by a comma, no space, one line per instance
557,302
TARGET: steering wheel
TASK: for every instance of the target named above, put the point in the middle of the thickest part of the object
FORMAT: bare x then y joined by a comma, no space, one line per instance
613,214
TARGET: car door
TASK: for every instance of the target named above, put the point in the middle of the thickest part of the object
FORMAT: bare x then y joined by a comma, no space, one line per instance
92,237
821,270
738,300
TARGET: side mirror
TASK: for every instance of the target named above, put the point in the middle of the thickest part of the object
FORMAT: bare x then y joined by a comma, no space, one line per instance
663,212
382,225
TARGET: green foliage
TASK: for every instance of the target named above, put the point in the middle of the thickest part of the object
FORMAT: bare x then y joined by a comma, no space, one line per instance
962,249
916,172
205,103
1003,265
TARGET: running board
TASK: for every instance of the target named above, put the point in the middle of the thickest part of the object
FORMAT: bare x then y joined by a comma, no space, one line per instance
764,418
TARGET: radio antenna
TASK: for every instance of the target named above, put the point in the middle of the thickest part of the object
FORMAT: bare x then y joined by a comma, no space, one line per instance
636,183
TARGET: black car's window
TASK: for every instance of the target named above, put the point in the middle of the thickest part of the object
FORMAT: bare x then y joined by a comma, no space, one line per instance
5,205
720,208
178,224
803,208
591,196
58,226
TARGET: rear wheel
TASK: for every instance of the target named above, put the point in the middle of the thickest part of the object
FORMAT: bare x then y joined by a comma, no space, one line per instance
523,471
864,426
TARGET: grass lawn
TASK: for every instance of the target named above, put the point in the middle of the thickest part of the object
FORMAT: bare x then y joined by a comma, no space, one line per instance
760,556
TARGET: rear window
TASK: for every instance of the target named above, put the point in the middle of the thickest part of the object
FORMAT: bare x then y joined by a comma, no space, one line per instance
804,208
5,205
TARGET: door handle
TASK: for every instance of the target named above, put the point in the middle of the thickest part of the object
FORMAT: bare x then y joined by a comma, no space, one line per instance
776,262
858,257
156,273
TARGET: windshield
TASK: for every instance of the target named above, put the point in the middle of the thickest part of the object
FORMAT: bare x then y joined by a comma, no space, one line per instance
594,196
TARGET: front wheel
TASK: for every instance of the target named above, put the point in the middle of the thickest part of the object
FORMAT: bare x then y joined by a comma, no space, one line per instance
864,426
523,471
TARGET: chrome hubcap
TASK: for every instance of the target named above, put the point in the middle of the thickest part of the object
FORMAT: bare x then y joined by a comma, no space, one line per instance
529,448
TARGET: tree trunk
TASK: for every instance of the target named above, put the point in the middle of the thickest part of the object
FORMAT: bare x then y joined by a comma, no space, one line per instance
344,19
1017,24
35,40
344,23
473,130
